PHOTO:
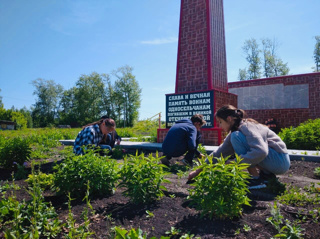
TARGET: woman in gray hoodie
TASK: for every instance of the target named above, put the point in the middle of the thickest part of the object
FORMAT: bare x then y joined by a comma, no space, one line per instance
255,143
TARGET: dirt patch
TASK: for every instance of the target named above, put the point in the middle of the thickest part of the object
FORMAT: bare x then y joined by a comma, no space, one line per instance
174,210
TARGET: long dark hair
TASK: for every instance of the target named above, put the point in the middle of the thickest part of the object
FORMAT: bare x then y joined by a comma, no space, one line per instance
113,133
238,115
107,122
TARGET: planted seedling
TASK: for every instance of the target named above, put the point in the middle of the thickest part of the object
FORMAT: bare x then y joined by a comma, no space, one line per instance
317,172
220,190
284,227
149,214
142,178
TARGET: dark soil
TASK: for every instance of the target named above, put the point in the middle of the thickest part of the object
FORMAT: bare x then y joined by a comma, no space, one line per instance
174,210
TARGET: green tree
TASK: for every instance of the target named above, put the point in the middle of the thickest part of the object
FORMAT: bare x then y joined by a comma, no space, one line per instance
272,64
242,74
1,104
46,108
27,115
281,68
316,54
113,102
4,115
89,98
251,49
68,113
128,94
94,95
268,57
19,119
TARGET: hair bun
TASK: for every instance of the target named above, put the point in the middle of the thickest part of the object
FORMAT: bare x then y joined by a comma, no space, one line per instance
240,113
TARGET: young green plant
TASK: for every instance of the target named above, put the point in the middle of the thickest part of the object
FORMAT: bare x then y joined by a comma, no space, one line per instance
142,178
221,189
74,172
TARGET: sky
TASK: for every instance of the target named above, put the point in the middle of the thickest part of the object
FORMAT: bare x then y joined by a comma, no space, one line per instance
61,40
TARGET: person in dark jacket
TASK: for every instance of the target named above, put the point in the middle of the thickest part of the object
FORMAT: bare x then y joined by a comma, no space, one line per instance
183,137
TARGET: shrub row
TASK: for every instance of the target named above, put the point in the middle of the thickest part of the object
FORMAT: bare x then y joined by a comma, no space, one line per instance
141,176
219,191
305,136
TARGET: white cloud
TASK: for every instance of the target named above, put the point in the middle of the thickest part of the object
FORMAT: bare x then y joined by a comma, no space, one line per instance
161,41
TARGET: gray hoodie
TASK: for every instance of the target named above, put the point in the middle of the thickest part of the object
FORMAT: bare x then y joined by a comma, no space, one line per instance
259,138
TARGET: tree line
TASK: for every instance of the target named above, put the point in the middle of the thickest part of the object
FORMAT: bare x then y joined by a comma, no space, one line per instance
92,96
269,64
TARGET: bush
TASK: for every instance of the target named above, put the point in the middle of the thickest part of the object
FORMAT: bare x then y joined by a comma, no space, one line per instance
73,174
125,132
142,177
45,180
14,151
148,127
221,189
46,137
305,136
20,120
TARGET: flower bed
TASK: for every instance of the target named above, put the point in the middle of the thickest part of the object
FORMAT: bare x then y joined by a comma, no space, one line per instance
173,214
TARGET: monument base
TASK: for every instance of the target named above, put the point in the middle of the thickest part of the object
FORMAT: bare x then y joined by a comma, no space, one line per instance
210,136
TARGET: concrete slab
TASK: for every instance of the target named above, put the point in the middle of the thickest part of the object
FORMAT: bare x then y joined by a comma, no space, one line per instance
307,155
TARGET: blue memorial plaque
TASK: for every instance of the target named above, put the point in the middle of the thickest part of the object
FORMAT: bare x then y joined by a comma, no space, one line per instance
181,106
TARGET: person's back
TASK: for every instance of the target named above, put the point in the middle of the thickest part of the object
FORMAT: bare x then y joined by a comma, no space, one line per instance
180,138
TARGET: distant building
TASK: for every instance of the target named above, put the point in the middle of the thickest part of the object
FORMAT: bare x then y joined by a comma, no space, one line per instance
7,125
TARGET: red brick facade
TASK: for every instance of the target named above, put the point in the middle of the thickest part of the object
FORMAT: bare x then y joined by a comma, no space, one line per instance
218,60
201,61
287,117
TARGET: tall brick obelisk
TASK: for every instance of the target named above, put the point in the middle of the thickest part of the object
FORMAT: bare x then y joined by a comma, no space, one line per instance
201,63
201,77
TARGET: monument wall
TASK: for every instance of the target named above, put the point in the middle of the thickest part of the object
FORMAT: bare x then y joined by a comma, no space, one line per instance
290,100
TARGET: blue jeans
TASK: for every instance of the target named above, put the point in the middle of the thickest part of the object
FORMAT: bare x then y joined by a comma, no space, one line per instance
276,163
104,146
